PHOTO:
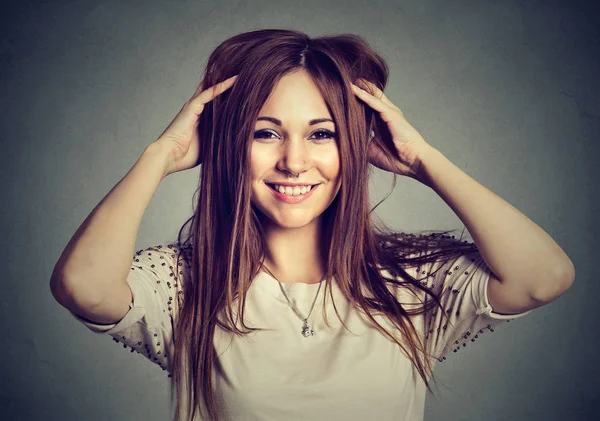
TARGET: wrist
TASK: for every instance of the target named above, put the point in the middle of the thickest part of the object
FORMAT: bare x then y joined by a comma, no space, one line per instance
427,158
161,155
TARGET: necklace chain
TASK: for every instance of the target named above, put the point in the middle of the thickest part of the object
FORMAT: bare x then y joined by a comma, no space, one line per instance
306,331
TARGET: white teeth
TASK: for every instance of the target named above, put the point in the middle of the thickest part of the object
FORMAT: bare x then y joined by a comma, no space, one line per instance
295,191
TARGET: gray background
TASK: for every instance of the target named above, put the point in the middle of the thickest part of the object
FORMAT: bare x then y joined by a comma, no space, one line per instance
507,90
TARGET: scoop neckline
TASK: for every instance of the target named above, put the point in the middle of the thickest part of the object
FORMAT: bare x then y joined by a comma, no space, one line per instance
300,291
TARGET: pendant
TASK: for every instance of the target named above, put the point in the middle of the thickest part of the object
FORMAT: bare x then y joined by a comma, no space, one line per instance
307,331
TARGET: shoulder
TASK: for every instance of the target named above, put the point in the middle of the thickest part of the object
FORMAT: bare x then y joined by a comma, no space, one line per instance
166,257
164,265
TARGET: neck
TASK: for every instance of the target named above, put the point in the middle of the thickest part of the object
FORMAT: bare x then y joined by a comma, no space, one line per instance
296,255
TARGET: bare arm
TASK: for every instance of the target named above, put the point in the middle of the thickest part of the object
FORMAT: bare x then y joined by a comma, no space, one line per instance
90,278
96,261
530,268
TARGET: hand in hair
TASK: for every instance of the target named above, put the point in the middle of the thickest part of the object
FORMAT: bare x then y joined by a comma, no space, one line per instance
409,144
181,137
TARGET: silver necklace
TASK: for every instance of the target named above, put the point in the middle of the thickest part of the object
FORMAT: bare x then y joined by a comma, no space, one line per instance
306,330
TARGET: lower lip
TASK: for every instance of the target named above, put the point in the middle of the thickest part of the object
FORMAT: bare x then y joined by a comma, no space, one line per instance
293,199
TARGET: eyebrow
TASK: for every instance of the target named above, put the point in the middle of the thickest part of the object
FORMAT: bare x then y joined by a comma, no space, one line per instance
310,123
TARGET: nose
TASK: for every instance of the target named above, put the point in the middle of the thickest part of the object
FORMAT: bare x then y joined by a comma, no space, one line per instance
294,156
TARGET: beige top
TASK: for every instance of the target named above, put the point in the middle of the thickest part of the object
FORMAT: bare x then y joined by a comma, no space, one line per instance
333,375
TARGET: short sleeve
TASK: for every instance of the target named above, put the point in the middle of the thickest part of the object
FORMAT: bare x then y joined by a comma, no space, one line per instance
461,284
156,289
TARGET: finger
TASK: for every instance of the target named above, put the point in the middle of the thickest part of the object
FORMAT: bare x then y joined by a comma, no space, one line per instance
199,89
377,92
373,102
209,94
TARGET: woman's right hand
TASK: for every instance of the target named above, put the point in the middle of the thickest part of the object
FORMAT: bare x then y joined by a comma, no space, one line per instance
180,138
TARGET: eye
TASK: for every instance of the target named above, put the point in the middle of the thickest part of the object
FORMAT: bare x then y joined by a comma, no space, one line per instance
325,134
263,134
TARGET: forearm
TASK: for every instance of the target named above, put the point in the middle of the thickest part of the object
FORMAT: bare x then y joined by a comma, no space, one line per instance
515,248
99,254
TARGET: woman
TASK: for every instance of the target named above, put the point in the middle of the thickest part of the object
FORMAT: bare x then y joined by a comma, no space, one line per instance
285,128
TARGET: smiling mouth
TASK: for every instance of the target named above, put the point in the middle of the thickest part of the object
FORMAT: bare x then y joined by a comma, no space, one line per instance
312,187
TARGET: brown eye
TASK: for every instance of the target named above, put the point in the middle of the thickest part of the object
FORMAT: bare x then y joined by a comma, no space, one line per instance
324,134
263,134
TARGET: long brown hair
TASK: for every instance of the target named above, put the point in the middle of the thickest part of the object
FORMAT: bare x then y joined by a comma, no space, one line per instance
225,244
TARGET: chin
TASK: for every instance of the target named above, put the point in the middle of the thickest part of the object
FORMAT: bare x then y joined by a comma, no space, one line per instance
290,222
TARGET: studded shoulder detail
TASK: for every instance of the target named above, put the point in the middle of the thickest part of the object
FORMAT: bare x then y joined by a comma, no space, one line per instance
156,282
461,285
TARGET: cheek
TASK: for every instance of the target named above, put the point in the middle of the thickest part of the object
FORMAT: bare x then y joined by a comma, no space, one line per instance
259,163
329,162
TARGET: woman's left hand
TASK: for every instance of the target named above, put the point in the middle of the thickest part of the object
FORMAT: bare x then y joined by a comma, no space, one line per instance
409,144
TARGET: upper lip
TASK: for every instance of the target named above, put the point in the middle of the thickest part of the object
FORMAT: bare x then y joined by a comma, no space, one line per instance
285,183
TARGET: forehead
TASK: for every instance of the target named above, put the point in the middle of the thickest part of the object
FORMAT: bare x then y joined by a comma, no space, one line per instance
295,96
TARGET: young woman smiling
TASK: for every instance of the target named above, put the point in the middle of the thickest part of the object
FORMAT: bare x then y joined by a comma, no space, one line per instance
287,129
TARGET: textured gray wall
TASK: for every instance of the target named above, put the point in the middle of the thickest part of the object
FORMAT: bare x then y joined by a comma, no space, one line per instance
507,90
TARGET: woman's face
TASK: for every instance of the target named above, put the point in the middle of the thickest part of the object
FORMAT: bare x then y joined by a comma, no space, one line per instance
294,126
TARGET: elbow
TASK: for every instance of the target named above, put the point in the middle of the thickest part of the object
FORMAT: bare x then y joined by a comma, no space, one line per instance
62,290
557,285
59,290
